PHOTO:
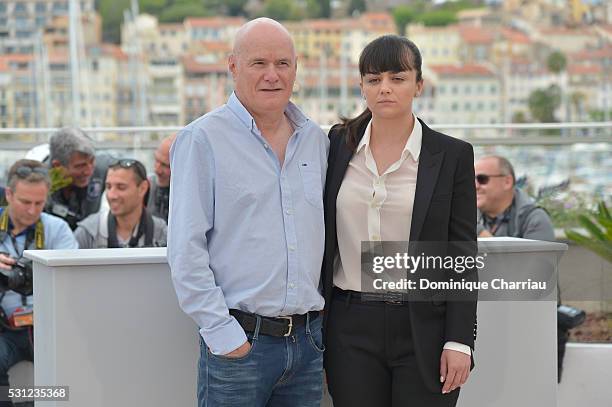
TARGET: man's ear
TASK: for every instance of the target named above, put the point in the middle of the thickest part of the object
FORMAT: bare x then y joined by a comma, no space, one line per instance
8,194
143,187
231,64
56,163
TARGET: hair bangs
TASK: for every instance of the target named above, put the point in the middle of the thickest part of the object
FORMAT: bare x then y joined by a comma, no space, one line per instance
386,54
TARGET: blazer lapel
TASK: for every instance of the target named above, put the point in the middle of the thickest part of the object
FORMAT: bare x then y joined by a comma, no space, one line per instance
340,166
430,161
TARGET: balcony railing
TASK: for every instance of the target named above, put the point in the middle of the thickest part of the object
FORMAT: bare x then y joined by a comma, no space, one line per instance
547,153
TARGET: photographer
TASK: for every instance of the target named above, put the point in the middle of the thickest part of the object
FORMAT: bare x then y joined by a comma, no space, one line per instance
72,153
127,222
159,193
23,226
506,210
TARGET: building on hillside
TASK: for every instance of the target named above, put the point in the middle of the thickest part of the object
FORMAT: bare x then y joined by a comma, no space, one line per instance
21,22
468,93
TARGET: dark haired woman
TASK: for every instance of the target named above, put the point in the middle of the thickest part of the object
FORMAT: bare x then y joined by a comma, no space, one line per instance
392,178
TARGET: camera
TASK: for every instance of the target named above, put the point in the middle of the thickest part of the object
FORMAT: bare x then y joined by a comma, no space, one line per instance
18,278
569,317
65,213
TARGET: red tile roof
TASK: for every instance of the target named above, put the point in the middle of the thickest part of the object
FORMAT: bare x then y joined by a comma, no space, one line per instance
221,46
462,70
324,24
191,65
515,36
593,54
214,22
476,35
557,31
114,51
583,69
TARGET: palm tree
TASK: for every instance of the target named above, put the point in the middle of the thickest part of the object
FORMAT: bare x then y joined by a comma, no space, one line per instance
556,63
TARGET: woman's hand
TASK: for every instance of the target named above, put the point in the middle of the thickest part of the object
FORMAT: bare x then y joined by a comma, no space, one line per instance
454,369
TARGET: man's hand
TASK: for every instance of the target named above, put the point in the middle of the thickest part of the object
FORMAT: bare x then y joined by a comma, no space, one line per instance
241,351
454,369
485,233
6,263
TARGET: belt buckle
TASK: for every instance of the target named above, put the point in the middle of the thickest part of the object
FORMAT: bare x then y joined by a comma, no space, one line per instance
290,327
393,298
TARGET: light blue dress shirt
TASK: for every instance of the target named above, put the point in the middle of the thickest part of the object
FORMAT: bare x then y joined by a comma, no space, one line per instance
245,232
57,236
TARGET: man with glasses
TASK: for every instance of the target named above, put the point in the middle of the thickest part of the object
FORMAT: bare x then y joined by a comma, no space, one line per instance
126,223
506,210
159,196
72,153
23,226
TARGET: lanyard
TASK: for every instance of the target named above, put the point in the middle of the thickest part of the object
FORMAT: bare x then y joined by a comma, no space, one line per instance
36,235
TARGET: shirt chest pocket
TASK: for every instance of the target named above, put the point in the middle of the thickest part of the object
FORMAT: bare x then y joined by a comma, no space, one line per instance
311,181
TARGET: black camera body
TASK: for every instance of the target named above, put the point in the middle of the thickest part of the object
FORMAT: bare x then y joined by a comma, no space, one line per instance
569,317
18,278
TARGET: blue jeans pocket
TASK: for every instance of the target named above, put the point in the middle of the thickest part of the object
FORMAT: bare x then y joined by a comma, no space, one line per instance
233,359
315,336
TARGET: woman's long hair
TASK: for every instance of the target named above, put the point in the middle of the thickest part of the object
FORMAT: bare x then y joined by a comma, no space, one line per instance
389,53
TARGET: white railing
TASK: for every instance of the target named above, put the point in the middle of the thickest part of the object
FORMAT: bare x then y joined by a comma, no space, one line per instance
578,151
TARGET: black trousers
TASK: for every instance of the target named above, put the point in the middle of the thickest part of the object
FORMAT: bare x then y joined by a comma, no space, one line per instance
370,359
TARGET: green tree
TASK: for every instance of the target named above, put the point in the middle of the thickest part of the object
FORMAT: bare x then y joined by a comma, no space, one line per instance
437,18
281,10
556,62
599,115
358,6
402,15
235,7
325,8
313,9
111,12
598,226
224,7
543,103
150,6
179,11
519,117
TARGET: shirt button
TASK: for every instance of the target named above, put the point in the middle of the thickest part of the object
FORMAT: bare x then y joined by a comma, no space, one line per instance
266,146
375,237
292,248
291,285
289,212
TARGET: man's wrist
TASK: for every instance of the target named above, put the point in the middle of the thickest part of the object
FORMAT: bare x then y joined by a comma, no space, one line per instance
226,339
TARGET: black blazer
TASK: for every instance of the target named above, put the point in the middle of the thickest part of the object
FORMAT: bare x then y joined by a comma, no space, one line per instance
444,210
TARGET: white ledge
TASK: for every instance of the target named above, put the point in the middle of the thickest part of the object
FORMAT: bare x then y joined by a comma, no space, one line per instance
96,257
157,255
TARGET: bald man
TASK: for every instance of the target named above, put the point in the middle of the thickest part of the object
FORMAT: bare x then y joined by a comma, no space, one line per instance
246,232
159,193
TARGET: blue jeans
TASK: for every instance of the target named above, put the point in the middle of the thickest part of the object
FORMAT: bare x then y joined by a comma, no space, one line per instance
277,372
14,347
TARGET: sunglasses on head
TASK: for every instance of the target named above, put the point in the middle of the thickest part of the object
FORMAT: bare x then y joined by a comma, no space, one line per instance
24,171
483,179
128,163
